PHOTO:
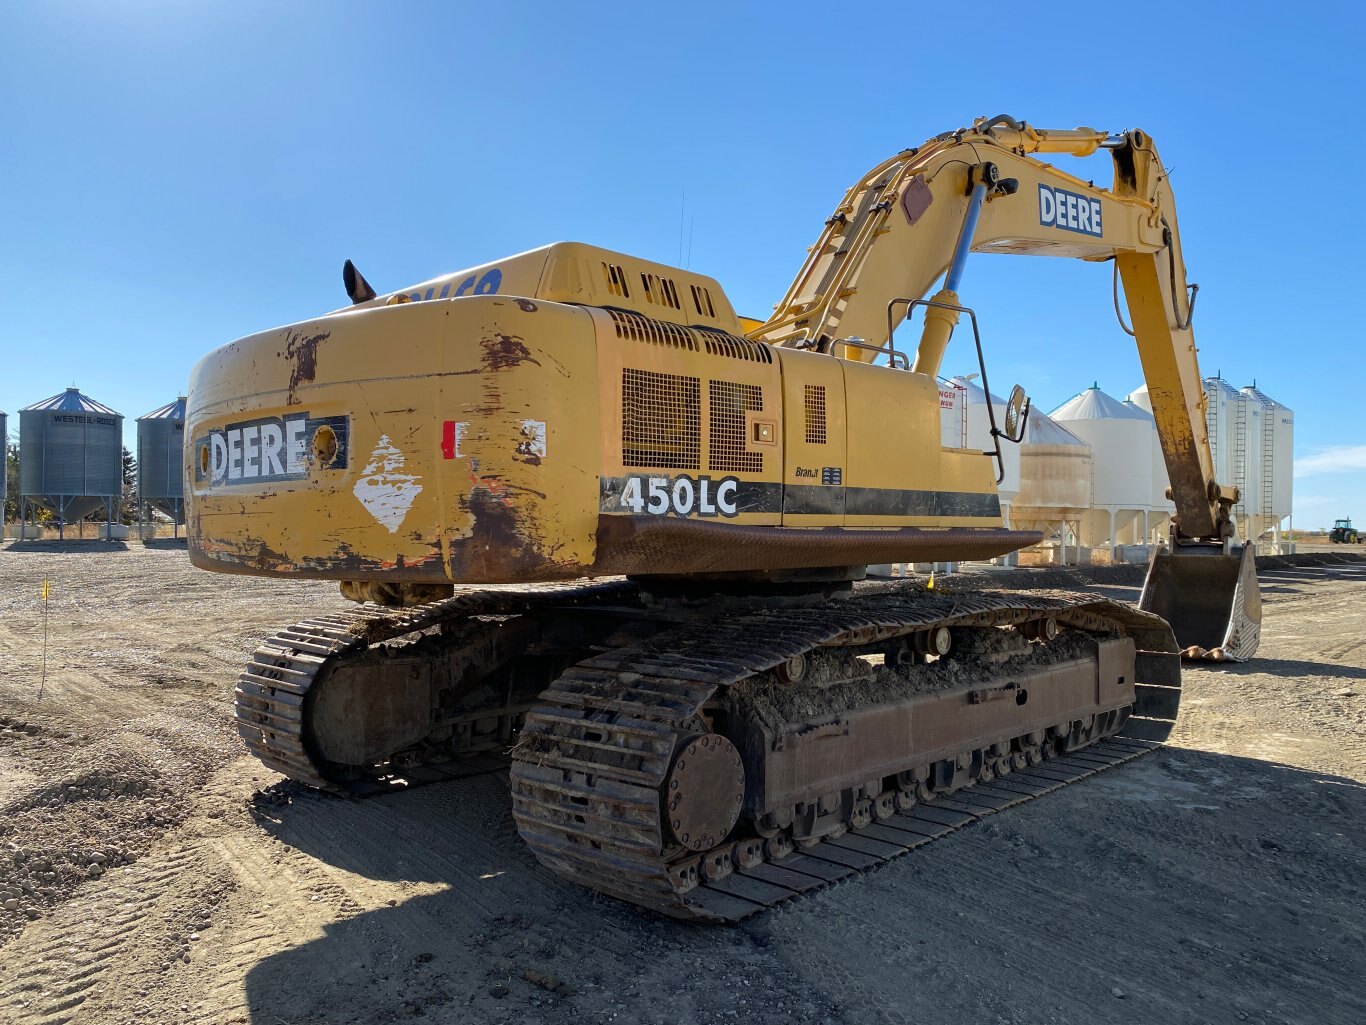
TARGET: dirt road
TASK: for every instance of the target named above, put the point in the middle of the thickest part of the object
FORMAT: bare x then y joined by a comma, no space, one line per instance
149,872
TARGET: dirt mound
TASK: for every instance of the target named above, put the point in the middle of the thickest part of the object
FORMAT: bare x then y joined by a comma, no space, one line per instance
1067,578
79,825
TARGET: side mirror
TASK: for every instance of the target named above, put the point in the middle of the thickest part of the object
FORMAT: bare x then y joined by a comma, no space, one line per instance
1017,414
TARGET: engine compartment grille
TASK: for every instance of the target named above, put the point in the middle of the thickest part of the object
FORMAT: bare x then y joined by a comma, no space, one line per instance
693,339
728,401
815,414
661,420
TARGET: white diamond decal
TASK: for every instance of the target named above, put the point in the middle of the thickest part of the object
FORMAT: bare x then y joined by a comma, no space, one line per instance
386,492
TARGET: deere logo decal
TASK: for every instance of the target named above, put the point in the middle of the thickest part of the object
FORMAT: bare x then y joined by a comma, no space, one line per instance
271,449
1059,208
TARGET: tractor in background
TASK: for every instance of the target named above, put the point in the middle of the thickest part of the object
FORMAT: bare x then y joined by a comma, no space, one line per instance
1343,533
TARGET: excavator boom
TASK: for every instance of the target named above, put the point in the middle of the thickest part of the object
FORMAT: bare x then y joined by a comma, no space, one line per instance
916,217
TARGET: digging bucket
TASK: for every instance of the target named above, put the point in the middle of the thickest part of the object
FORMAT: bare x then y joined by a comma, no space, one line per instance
1210,599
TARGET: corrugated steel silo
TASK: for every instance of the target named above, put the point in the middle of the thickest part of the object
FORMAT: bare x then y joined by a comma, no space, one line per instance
1221,419
1055,476
1276,461
71,455
161,442
1247,455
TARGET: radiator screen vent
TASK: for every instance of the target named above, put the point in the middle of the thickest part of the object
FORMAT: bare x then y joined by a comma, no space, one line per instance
616,280
643,329
661,420
815,414
719,343
728,402
701,298
694,339
660,290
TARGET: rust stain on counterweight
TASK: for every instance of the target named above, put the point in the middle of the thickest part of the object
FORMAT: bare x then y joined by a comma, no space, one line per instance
302,352
502,352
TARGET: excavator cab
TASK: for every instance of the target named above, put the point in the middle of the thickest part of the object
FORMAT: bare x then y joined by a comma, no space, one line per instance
1209,596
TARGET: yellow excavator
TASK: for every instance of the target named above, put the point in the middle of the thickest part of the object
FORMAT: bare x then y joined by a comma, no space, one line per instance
593,518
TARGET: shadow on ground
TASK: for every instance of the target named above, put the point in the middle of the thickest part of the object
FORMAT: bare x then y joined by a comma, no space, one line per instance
1290,668
165,543
63,547
1183,887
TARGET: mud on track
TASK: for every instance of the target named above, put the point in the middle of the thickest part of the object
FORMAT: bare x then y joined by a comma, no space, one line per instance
1219,880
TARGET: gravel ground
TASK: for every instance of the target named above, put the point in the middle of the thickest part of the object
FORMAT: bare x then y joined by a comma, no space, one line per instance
151,872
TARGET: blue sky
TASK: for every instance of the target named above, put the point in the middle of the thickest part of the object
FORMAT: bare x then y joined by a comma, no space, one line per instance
176,175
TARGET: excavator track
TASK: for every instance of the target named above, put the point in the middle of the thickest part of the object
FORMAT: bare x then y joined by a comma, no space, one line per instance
602,766
591,773
271,697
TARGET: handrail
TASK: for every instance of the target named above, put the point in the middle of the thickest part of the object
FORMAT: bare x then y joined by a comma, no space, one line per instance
911,304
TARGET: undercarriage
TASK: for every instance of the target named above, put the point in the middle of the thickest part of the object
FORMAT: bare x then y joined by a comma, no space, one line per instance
708,756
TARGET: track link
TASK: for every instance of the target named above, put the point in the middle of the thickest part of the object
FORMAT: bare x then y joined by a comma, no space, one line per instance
589,771
271,697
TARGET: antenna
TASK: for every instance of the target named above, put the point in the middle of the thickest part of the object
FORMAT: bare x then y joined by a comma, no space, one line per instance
682,205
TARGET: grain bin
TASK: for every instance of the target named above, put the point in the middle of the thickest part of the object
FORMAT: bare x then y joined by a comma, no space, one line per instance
978,435
1247,459
953,415
1161,508
1055,479
1056,467
161,476
1120,437
71,456
1221,420
1275,466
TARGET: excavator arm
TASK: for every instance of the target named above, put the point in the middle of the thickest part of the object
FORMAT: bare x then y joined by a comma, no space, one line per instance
916,217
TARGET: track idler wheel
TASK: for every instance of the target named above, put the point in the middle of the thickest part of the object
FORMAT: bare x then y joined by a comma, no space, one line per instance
703,791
